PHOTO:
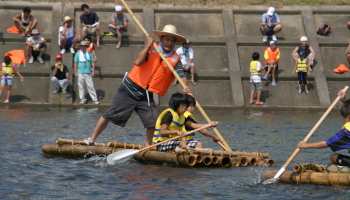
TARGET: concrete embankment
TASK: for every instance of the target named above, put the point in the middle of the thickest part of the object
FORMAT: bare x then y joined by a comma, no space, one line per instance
223,38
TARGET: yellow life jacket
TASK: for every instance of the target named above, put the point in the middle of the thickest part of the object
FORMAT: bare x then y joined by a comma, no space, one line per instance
7,70
302,65
347,127
190,136
253,68
176,124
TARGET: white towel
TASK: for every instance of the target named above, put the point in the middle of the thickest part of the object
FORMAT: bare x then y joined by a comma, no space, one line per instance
81,56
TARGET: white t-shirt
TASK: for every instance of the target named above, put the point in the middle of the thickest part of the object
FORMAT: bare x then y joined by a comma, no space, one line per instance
185,56
256,78
31,39
69,33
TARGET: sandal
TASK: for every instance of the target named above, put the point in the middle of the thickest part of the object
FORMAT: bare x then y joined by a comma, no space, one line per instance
260,103
307,91
6,101
98,47
117,47
253,102
299,92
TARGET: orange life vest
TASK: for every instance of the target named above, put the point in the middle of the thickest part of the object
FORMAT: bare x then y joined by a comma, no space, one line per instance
272,55
91,47
154,73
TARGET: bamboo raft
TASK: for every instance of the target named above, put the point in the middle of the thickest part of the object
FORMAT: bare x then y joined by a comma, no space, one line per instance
311,174
181,157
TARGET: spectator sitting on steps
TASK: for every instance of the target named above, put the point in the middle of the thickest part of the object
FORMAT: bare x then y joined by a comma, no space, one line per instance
36,46
60,74
90,23
67,35
271,24
186,54
25,22
119,24
272,58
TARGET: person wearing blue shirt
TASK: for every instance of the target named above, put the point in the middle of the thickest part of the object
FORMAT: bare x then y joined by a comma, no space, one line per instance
341,140
84,70
271,24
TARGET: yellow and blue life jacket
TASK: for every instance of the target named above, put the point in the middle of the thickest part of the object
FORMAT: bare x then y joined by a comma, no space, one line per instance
302,65
254,68
190,136
7,70
176,124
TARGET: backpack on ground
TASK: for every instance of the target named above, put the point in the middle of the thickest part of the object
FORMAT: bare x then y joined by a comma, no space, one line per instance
324,30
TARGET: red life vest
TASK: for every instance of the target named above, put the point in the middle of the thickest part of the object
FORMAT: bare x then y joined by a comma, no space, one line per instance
91,47
154,73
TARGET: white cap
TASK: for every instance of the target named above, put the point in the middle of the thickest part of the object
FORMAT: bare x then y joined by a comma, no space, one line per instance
270,11
118,8
304,38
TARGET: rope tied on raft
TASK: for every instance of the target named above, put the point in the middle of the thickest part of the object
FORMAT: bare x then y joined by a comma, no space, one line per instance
188,150
143,156
73,150
300,168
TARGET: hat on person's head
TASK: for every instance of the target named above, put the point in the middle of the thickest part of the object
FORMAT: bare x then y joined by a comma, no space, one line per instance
58,57
83,43
67,19
304,38
35,32
270,11
301,53
118,8
187,42
273,43
171,31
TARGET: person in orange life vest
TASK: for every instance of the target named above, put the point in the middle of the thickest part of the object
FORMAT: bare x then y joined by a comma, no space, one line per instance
8,70
309,52
91,47
149,75
272,56
25,22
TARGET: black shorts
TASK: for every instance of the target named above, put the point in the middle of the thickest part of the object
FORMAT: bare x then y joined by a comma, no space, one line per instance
343,160
123,105
302,78
37,53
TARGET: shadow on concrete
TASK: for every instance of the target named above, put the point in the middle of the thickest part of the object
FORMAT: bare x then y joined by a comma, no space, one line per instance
99,69
18,98
2,38
100,95
265,94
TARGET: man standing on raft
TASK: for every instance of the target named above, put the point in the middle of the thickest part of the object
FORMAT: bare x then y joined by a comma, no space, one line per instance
149,75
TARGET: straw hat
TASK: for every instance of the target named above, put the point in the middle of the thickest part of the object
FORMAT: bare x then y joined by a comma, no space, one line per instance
171,31
83,43
67,19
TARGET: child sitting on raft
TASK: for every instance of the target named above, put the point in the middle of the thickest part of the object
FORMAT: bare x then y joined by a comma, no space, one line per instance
339,141
189,117
171,123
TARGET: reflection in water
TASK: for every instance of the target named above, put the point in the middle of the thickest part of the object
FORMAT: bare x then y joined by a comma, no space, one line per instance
27,173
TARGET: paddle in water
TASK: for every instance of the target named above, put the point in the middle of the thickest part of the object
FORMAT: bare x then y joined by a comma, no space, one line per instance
280,172
126,154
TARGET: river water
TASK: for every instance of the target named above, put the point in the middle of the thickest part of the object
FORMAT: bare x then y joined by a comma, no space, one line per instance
27,173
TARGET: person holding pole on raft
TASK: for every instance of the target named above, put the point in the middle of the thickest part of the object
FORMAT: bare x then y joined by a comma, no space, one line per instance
149,75
339,141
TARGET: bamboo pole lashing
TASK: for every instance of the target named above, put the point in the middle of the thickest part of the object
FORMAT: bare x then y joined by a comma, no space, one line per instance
222,153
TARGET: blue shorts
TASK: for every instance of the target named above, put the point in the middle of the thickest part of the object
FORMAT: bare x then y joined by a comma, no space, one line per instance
270,31
69,42
6,81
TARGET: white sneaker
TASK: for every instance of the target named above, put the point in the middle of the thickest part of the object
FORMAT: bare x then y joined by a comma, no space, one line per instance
40,60
96,103
31,59
88,141
72,50
63,51
55,91
265,38
274,38
82,101
64,91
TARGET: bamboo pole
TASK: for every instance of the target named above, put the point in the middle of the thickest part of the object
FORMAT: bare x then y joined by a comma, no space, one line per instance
157,156
222,153
223,161
77,150
74,142
307,177
252,161
176,76
199,158
207,160
127,146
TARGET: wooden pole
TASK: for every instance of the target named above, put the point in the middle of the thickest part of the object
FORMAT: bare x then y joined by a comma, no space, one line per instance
176,75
